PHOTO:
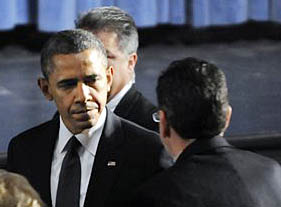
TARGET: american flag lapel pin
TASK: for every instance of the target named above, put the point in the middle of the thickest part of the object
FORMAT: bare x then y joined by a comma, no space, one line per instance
111,164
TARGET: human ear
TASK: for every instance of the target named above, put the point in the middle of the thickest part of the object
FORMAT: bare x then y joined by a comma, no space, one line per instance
133,58
228,116
45,88
164,127
109,77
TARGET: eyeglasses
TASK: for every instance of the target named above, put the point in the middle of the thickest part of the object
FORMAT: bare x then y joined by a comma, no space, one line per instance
156,117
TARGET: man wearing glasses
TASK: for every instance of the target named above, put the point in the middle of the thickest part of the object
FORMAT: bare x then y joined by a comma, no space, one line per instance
194,114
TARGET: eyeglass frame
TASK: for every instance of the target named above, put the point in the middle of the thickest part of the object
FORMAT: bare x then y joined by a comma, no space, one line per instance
156,116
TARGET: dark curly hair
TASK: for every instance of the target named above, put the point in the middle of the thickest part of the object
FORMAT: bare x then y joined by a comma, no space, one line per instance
194,95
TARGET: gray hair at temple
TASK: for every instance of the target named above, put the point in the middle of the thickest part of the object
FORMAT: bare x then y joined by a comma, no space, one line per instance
15,191
69,42
111,19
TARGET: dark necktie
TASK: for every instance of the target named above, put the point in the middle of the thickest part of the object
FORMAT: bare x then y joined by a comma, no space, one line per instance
68,193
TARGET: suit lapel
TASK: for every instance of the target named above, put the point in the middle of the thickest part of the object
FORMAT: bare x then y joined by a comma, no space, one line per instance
124,107
42,163
107,162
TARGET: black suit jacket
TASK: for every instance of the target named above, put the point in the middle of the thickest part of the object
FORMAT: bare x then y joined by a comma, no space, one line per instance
136,108
136,151
212,173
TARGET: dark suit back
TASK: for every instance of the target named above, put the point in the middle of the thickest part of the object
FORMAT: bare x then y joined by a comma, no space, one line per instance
212,173
136,108
137,153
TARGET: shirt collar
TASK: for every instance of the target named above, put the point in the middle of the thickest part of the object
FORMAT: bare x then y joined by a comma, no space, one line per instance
112,104
88,138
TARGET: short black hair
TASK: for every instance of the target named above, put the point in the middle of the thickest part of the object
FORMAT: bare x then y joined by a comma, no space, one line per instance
68,42
194,95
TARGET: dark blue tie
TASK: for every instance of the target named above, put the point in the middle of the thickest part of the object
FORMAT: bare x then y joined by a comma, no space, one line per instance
68,193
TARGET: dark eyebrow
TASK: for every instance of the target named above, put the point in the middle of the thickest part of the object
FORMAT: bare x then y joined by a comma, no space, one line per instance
108,53
67,82
90,77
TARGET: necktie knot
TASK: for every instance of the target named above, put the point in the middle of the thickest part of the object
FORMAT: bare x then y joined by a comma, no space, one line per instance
72,144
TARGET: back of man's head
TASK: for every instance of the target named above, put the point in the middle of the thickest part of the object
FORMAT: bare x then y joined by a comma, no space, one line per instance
15,191
111,19
69,42
193,94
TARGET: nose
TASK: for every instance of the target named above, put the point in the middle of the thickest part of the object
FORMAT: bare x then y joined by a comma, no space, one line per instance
83,93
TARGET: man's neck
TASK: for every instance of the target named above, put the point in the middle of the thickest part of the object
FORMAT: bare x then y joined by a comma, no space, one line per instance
181,146
178,144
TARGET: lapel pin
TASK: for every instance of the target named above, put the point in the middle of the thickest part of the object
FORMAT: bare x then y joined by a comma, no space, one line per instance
111,163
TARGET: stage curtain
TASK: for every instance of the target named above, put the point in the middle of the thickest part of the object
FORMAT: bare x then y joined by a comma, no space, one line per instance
55,15
226,12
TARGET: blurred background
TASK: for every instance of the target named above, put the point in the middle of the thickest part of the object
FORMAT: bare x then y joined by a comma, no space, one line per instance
243,37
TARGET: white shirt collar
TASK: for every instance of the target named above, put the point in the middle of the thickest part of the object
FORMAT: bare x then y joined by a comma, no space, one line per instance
112,104
88,138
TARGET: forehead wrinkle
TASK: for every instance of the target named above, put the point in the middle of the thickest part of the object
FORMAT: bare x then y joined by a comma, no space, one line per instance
94,59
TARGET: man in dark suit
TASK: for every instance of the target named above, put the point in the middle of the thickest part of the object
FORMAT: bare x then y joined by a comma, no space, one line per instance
109,155
118,32
194,113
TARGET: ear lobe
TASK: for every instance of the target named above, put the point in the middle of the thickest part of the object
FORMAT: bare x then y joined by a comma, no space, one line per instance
44,86
132,61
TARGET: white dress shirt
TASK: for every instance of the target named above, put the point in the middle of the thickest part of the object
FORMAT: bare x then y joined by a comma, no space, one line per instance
89,140
117,98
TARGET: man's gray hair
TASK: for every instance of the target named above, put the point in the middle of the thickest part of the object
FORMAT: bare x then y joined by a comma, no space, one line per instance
111,19
69,42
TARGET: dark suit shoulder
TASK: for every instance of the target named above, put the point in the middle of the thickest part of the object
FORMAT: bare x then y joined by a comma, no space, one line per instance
34,132
23,146
244,174
145,103
265,164
163,190
137,133
146,143
138,109
142,111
